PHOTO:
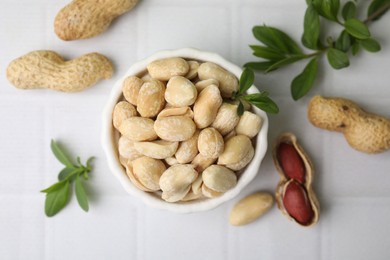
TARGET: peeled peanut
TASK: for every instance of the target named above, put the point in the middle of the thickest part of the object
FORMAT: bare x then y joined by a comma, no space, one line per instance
159,149
226,119
228,83
176,111
249,124
209,193
176,181
206,106
122,111
165,69
124,161
219,178
193,71
138,129
150,100
133,178
82,19
210,143
250,208
236,149
148,172
202,84
131,87
188,149
201,162
243,162
126,149
171,161
175,128
180,92
47,69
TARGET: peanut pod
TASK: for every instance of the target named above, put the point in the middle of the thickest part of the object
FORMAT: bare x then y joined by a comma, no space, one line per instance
47,69
294,194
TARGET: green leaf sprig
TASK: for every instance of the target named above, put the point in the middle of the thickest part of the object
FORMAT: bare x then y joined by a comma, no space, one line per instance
260,100
279,49
57,195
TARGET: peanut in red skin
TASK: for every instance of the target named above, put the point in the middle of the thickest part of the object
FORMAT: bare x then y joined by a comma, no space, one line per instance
291,162
297,203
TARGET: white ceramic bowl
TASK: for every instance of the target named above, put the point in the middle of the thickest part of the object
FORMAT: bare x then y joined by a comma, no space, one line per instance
109,141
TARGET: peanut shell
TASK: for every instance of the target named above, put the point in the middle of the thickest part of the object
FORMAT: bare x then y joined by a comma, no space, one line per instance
283,181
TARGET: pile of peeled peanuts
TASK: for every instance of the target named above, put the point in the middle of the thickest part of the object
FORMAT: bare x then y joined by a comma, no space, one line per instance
178,137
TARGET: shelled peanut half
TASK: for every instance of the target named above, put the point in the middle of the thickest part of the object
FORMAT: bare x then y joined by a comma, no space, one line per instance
294,194
178,137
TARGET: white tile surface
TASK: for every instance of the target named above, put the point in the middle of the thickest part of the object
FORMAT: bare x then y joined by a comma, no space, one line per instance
352,187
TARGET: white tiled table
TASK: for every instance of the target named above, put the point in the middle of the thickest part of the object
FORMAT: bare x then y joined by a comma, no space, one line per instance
353,188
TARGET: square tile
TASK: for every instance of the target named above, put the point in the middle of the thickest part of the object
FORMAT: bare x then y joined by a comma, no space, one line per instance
22,227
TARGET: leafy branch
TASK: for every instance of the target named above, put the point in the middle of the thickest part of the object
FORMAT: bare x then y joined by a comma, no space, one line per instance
57,195
279,49
260,100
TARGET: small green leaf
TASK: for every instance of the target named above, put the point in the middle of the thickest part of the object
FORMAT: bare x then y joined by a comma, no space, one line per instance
370,45
337,59
266,52
343,42
311,27
285,62
302,83
262,101
57,200
60,154
357,28
276,39
355,48
261,66
327,8
246,80
81,195
54,187
380,6
240,109
349,10
68,171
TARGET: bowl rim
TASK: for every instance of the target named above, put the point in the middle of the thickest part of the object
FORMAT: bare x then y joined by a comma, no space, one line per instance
107,136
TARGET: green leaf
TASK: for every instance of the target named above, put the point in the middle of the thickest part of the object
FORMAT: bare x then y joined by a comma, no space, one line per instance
276,39
54,187
337,59
261,66
285,62
357,29
380,6
57,200
246,80
370,45
355,48
302,83
240,109
81,195
343,42
264,103
327,8
311,27
68,171
60,154
256,96
266,52
349,10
